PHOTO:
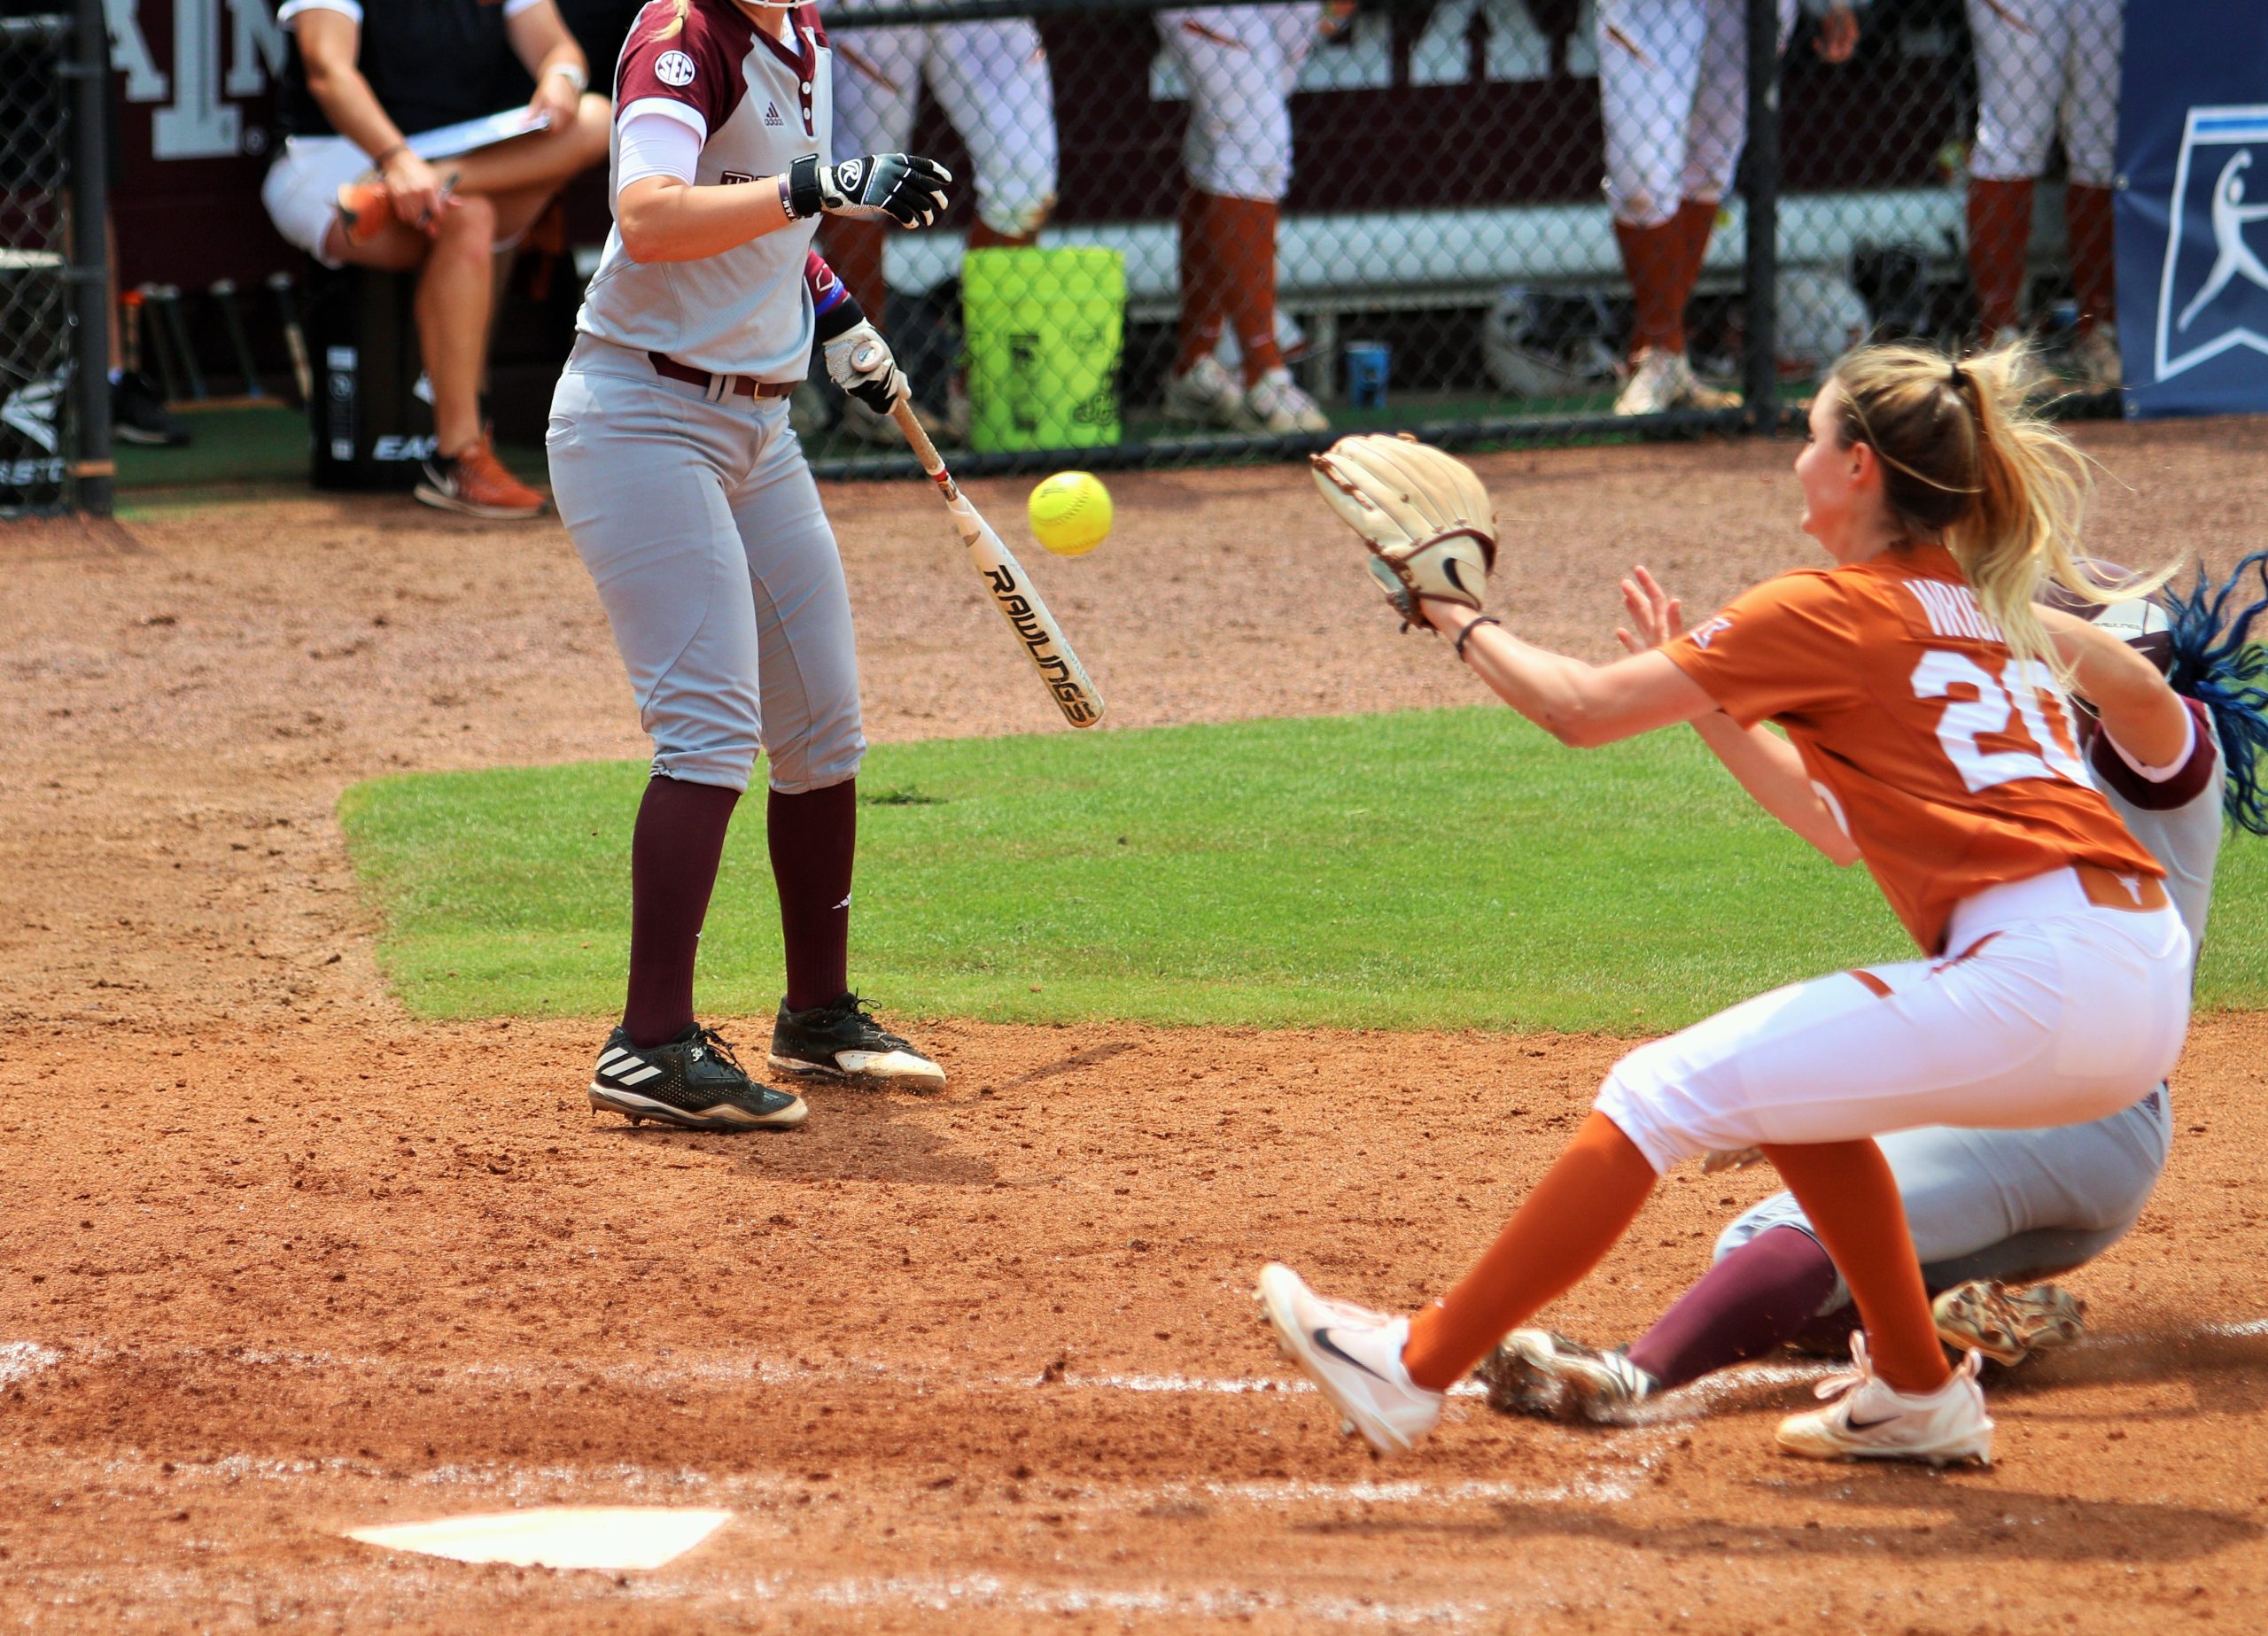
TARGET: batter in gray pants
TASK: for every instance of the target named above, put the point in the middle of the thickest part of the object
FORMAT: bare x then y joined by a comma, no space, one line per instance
676,471
703,529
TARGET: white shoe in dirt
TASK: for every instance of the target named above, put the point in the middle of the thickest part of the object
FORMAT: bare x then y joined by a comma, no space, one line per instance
2094,360
1869,1419
1658,383
1206,394
2008,1325
1275,403
1354,1356
1536,1372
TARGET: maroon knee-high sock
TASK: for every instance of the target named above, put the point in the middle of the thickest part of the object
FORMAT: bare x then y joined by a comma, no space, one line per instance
814,839
673,856
1755,1300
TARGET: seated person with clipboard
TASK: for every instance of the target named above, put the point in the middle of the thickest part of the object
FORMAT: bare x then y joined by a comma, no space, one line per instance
397,158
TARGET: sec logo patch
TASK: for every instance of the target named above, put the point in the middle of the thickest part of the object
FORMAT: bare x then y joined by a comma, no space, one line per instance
674,69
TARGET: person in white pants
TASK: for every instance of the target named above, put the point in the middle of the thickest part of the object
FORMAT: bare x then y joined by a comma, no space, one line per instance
2047,69
1672,89
1928,734
1240,63
991,79
1994,1213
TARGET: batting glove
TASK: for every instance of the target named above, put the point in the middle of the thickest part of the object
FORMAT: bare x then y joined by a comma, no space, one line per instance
858,361
904,188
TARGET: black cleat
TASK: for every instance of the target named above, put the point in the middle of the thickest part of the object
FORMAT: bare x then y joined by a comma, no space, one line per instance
139,414
692,1082
842,1040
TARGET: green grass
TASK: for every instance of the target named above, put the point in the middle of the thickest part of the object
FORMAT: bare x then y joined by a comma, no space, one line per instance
1438,869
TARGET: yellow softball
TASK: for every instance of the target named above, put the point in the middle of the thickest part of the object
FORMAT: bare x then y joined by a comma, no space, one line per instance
1070,513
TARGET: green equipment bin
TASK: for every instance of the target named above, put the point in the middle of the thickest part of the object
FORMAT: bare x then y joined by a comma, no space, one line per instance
1045,329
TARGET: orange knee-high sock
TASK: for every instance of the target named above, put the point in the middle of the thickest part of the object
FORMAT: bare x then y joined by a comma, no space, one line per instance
1851,1199
1248,269
2094,264
1696,219
2000,230
1204,296
981,236
1585,1202
1652,260
854,250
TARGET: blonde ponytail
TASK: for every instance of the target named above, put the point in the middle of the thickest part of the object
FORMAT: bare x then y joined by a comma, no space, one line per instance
676,24
1968,464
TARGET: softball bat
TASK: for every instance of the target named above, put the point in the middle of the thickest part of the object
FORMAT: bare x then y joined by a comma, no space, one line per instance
1013,592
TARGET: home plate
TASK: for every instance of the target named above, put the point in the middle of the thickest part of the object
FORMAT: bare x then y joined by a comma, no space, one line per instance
612,1538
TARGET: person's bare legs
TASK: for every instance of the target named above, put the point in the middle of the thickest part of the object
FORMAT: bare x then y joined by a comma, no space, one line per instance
454,297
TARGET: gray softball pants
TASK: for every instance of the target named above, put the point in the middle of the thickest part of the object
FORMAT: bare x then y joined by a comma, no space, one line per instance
701,525
2018,1205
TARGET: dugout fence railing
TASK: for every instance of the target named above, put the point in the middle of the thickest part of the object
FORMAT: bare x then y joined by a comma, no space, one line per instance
54,292
1485,206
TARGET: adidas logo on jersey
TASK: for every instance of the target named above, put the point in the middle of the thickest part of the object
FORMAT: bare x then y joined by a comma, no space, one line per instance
772,115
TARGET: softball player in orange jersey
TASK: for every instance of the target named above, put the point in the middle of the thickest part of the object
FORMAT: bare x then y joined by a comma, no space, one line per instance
1929,736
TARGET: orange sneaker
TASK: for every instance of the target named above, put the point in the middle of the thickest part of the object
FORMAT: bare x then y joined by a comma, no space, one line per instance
365,208
476,483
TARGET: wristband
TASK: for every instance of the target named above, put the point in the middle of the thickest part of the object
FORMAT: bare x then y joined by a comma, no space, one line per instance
572,74
381,162
801,190
1466,635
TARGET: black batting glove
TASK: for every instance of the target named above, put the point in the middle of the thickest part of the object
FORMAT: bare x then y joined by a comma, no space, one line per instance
904,188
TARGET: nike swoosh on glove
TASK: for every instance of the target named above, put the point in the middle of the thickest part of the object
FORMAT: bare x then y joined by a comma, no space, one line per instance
1427,519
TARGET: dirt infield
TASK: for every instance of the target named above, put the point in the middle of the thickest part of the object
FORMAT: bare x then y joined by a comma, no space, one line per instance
275,1261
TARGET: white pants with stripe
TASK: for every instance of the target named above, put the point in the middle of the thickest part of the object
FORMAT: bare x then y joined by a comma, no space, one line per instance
992,81
2046,66
1240,63
2056,1011
1673,88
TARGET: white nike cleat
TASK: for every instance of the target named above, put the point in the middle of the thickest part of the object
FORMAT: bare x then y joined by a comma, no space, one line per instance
1869,1419
1205,395
1354,1356
1658,382
1535,1372
1275,403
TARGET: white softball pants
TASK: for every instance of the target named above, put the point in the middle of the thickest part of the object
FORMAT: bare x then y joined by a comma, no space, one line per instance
991,80
1673,87
2056,1012
703,529
1240,63
2045,67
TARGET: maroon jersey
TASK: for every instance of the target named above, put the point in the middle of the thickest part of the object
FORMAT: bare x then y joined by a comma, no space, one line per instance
759,104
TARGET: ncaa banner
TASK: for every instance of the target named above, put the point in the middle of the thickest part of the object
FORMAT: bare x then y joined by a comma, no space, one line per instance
2192,210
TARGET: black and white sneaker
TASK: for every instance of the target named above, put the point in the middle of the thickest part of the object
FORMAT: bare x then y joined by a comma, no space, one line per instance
693,1082
842,1040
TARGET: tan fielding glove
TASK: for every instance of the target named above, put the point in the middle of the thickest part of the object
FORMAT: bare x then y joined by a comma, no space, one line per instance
1429,523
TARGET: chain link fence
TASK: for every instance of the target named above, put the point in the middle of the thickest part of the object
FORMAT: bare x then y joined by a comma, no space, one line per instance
1237,231
38,423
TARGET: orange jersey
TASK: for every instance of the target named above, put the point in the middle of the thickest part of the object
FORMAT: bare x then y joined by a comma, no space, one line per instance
1952,764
